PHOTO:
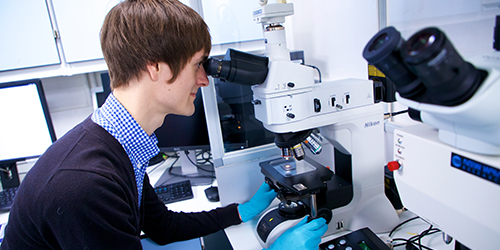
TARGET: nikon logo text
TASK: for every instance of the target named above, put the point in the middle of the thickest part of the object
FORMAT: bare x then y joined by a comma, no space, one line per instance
371,124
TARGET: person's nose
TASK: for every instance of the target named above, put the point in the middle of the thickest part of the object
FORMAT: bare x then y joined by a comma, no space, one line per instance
202,78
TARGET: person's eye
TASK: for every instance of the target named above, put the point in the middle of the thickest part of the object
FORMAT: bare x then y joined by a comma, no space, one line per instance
200,64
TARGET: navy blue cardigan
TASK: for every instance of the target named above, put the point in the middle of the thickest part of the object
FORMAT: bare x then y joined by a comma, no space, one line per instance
81,194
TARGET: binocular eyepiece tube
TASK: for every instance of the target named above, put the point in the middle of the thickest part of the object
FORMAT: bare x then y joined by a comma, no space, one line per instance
426,68
238,67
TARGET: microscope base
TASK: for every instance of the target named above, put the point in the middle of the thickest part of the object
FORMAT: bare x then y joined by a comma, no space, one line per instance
271,225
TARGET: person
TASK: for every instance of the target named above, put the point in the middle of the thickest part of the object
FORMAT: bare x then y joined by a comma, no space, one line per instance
89,190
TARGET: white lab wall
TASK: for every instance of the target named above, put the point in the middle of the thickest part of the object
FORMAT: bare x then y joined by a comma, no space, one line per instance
231,21
333,34
468,24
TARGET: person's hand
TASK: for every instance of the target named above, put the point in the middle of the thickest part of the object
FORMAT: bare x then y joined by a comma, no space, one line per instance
260,201
303,236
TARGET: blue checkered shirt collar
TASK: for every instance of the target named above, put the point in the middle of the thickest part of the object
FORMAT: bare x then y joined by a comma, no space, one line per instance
139,146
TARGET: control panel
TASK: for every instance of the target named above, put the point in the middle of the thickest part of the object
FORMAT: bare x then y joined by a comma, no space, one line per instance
362,239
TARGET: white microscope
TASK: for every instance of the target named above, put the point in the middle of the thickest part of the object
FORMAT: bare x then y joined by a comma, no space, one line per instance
447,169
347,188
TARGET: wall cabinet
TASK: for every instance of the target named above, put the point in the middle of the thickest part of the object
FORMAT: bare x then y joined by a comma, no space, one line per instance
26,39
29,47
79,24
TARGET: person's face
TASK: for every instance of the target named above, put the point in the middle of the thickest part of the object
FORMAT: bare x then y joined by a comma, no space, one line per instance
182,92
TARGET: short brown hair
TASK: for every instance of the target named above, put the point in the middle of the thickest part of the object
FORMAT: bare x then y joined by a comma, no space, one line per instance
138,32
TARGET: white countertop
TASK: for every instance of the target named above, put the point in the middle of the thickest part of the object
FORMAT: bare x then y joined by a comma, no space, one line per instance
243,236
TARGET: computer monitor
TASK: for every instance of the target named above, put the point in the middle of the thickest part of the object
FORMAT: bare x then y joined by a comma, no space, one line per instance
179,136
26,129
186,136
180,133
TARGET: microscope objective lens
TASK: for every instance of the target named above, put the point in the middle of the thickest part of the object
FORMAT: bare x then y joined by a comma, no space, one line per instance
298,152
286,153
313,145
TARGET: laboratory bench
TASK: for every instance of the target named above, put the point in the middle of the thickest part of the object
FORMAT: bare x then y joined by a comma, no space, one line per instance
243,236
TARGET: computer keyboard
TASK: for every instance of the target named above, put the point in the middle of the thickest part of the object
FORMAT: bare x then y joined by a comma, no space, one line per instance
167,193
7,198
173,192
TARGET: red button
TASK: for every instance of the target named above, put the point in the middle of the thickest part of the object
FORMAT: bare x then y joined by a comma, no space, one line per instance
393,165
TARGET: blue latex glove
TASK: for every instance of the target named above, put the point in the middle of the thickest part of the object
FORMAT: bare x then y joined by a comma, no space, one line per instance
303,236
260,201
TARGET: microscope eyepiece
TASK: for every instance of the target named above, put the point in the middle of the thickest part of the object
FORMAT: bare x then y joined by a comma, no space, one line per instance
449,79
419,44
238,67
384,51
426,68
379,41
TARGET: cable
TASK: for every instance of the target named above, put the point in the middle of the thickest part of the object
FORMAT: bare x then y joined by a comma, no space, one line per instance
193,175
205,161
399,112
199,167
387,115
414,242
189,175
401,224
316,68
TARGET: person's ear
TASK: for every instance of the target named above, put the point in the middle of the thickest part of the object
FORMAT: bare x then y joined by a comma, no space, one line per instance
153,70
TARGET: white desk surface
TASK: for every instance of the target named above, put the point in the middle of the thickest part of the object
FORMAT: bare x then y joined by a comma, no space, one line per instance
197,204
243,236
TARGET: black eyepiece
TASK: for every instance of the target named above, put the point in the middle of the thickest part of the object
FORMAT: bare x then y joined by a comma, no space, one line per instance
448,78
384,51
426,68
421,43
378,42
238,67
